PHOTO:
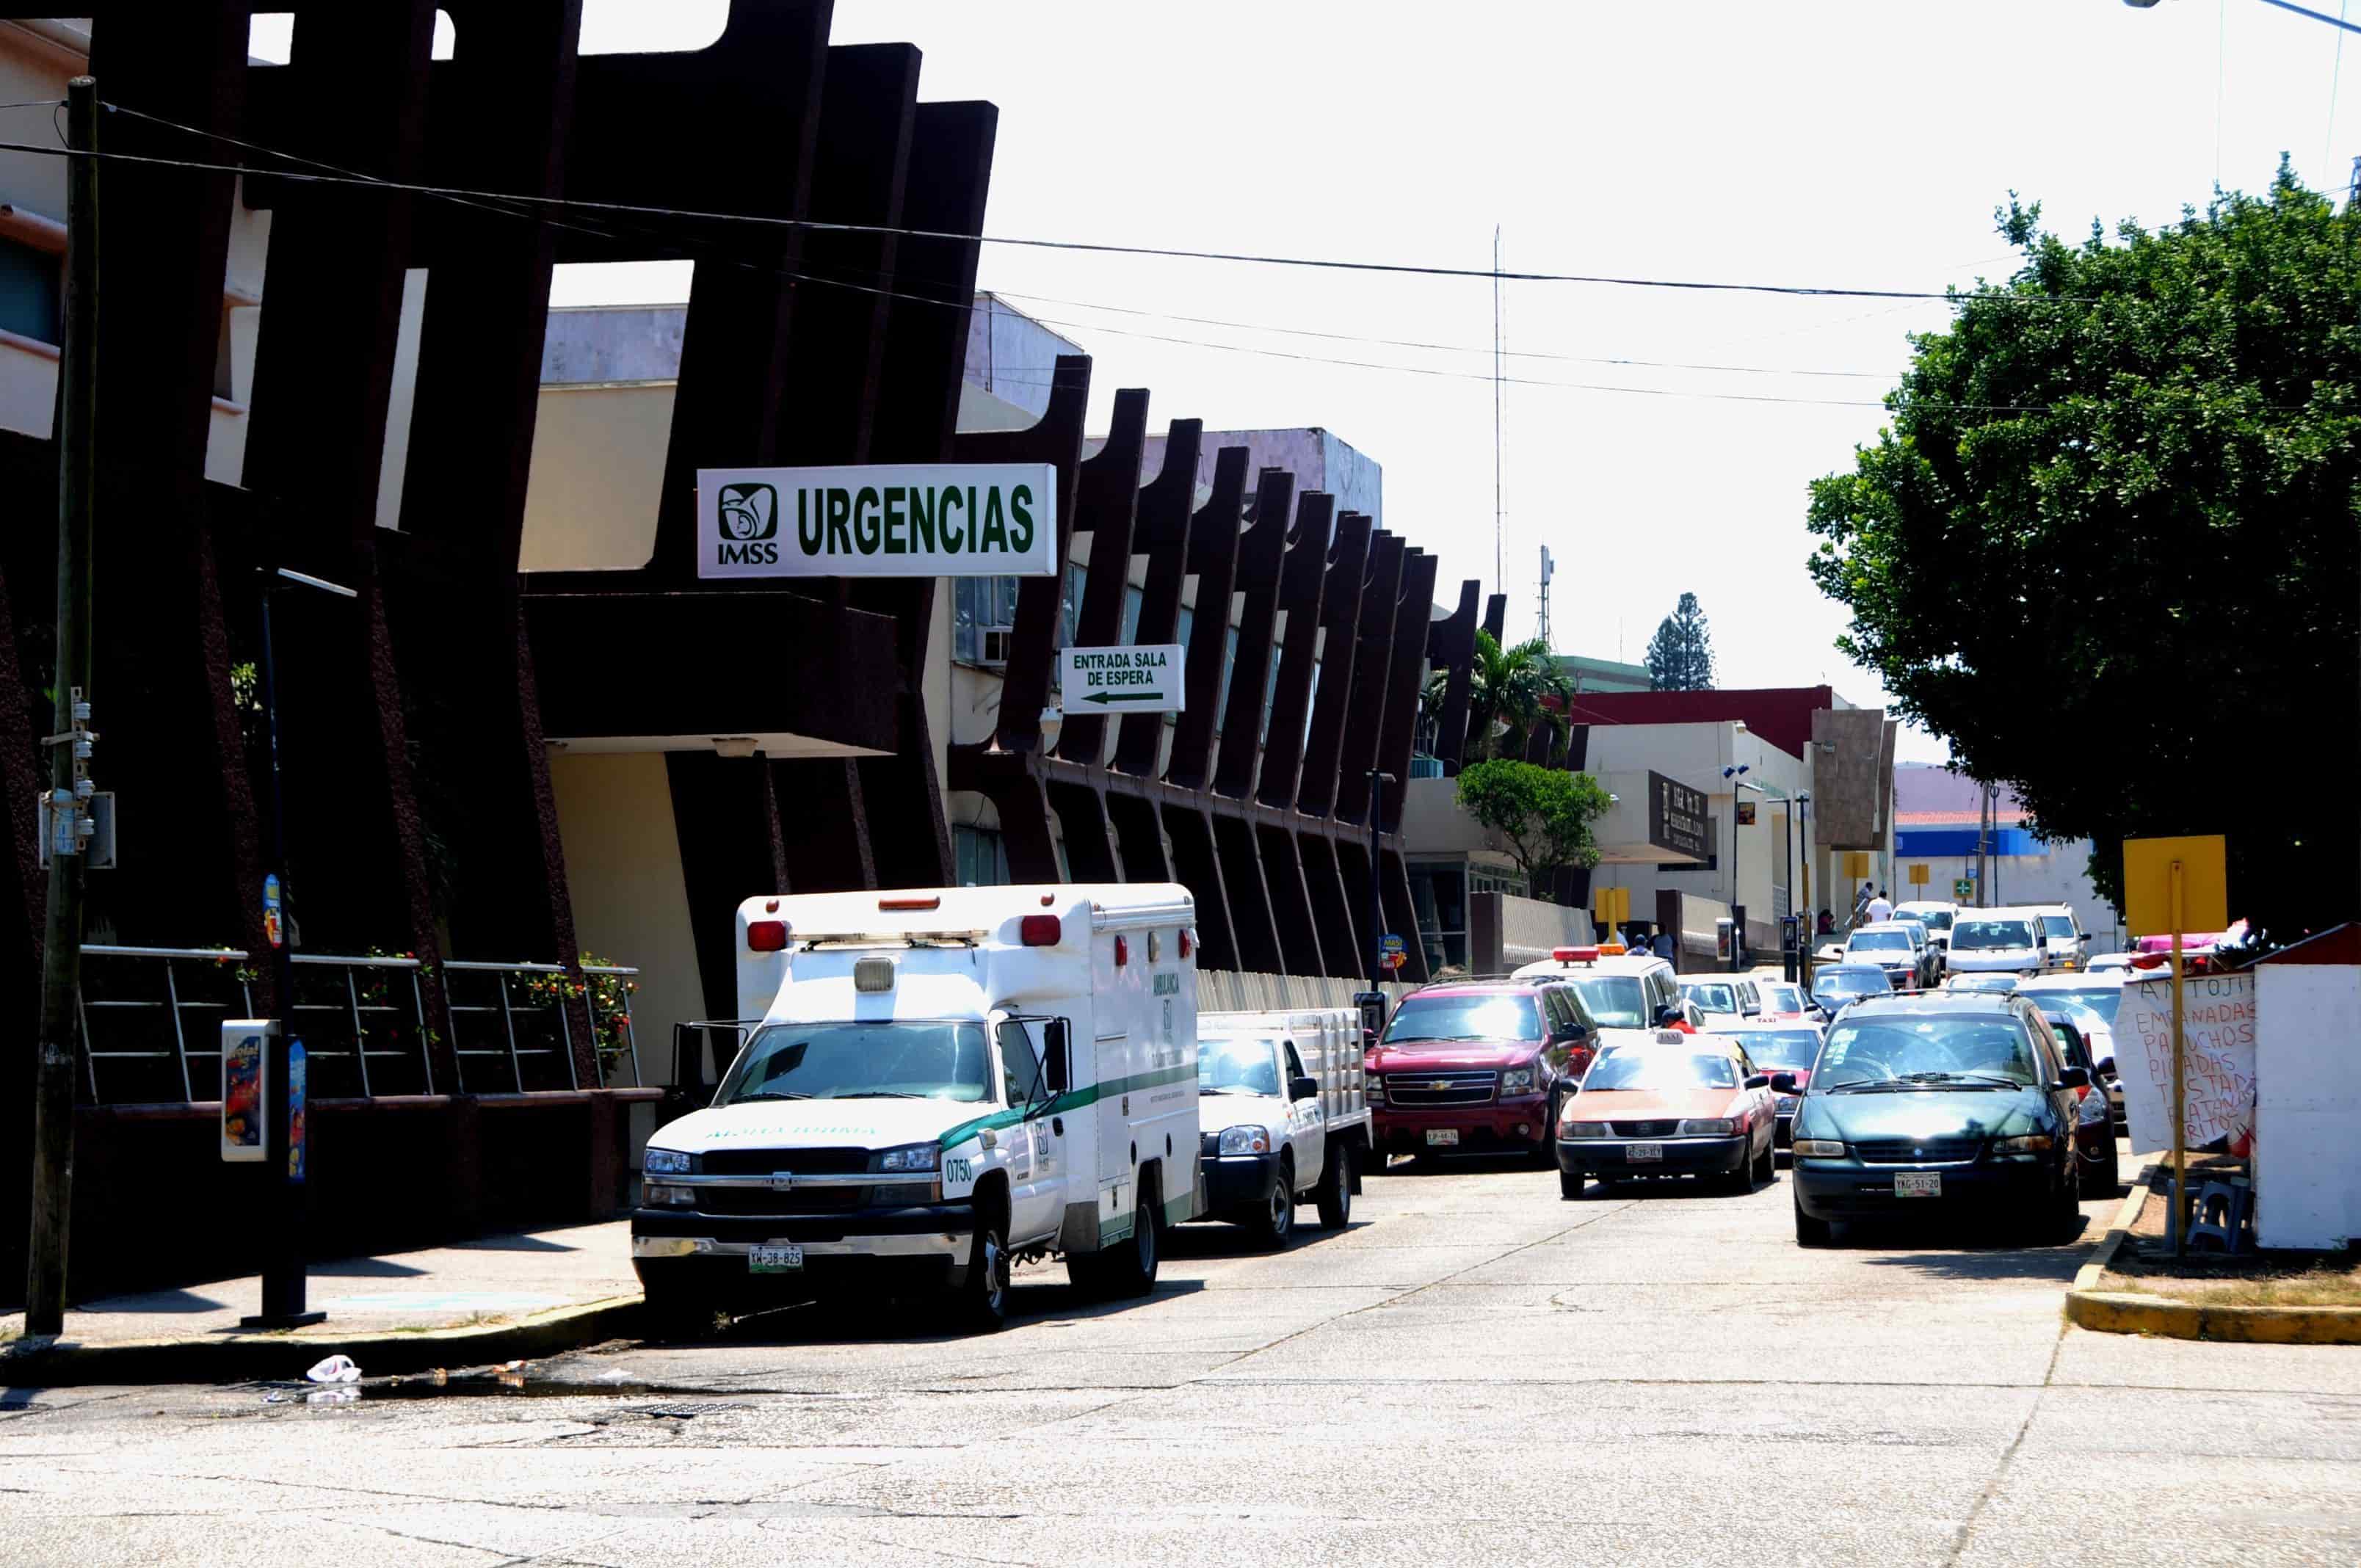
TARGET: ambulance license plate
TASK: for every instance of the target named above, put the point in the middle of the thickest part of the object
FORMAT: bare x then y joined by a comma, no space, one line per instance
1644,1151
774,1260
1441,1135
1917,1184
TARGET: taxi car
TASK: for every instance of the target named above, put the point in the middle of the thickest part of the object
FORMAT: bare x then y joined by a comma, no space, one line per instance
1692,1106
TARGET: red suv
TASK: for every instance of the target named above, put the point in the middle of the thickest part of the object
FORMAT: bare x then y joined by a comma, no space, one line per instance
1478,1066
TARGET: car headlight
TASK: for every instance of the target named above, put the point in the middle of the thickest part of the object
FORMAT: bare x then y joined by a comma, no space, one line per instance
1517,1080
1820,1148
669,1197
913,1156
1581,1129
1377,1089
1711,1127
1246,1140
2031,1143
665,1162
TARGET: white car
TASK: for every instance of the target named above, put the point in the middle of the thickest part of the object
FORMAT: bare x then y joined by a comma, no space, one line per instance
1898,946
1268,1144
1998,941
2109,963
1630,998
2062,932
1935,916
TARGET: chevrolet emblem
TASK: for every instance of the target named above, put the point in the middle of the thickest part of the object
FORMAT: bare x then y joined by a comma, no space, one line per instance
780,1181
1440,1084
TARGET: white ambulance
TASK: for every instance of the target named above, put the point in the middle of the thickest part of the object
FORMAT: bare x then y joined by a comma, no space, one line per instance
945,1081
1286,1116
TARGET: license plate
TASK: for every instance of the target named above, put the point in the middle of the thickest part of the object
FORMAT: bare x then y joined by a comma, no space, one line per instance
1441,1135
1644,1151
1917,1184
774,1260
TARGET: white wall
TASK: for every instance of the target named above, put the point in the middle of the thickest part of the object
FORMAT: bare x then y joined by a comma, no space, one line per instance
2307,1081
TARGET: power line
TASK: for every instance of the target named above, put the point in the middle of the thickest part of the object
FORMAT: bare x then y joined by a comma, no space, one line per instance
1099,247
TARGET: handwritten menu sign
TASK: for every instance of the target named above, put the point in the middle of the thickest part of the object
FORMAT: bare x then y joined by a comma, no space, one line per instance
2218,1026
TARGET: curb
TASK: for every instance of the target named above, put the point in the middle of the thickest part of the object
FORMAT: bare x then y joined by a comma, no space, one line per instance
235,1358
2125,1312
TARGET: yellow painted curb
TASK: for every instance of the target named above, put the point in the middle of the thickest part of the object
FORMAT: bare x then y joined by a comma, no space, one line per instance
229,1358
2126,1313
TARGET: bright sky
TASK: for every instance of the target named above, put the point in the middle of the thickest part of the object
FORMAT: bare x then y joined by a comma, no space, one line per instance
1853,143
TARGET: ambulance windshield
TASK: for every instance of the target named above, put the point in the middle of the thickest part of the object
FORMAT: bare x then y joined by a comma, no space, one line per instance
903,1059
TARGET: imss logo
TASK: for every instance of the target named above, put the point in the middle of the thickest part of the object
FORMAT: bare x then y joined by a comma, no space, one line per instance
749,518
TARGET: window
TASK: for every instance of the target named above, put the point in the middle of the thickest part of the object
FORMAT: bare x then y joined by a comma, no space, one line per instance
1438,898
1294,1062
1132,599
1069,611
1020,1071
979,857
980,606
29,291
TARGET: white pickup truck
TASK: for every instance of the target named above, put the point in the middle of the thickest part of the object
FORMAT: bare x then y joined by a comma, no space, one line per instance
1283,1103
945,1081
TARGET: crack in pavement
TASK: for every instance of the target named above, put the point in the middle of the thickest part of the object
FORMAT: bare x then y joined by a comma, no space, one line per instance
1983,1499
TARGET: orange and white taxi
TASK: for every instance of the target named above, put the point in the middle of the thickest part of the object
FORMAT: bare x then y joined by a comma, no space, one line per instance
1691,1106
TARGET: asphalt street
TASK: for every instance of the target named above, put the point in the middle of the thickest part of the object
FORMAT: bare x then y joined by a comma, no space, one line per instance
1473,1371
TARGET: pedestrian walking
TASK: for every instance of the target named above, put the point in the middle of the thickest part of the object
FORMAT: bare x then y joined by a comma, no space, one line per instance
1881,907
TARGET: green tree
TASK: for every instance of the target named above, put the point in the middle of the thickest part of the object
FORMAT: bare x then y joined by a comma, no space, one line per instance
1680,655
1542,815
1507,686
2106,546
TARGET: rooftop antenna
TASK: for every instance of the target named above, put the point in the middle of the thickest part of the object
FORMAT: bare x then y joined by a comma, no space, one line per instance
1498,586
1549,568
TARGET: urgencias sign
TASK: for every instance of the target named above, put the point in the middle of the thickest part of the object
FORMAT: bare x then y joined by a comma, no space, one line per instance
930,519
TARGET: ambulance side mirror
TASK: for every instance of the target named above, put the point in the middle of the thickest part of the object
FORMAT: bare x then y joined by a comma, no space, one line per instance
1056,1067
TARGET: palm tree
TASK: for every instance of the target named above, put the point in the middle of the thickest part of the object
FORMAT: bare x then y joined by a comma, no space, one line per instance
1505,693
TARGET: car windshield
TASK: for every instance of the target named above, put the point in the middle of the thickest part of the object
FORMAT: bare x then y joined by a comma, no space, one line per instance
1782,998
1781,1048
1661,1071
1987,936
1933,920
1712,998
1923,1048
1880,941
1477,1017
2002,982
1851,983
1236,1067
903,1059
1616,1001
2056,925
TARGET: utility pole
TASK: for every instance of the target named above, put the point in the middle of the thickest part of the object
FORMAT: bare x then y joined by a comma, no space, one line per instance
1377,782
70,740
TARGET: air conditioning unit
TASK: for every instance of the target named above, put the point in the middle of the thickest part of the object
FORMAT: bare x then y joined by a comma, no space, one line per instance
995,640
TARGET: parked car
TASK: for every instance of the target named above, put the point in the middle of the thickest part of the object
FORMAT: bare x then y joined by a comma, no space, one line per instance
1696,1107
2094,1128
1999,941
2090,998
1899,947
2062,934
1732,995
1785,1048
1475,1066
1935,916
1283,1117
1835,985
1933,1104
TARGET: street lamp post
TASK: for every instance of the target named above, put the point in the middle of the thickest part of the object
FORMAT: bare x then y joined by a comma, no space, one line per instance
1736,773
283,1281
1810,928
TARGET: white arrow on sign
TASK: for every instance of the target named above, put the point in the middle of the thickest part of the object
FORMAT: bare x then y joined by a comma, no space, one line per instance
1122,680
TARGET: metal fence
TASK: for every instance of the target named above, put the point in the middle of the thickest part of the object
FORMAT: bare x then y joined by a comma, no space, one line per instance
149,1013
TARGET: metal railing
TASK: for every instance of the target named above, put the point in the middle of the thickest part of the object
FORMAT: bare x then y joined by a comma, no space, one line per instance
379,997
355,1010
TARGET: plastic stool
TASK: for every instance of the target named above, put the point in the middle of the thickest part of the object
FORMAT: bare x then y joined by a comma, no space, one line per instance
2222,1210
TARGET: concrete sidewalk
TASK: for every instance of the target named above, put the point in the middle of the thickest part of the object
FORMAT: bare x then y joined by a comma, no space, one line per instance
491,1299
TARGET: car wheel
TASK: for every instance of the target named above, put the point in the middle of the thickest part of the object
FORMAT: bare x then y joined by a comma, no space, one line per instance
1569,1185
984,1297
1274,1219
1810,1231
1766,1167
2065,1216
1335,1197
